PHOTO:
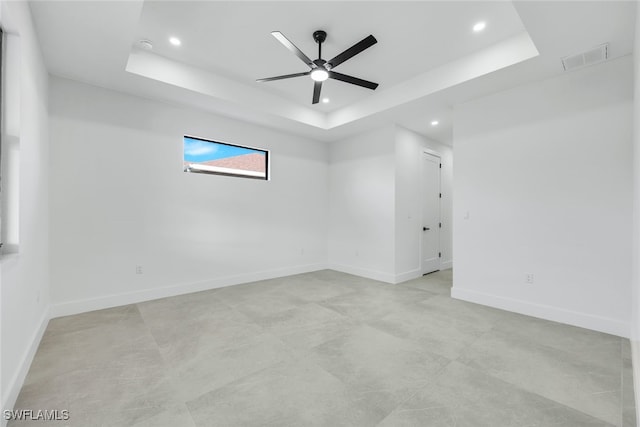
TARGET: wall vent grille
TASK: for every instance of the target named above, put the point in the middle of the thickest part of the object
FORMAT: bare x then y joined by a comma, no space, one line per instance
589,57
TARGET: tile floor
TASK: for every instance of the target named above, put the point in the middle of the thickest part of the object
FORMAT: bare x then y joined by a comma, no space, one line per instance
327,349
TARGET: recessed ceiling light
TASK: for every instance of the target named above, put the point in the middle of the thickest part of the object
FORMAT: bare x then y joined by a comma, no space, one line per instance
434,123
479,26
175,41
325,100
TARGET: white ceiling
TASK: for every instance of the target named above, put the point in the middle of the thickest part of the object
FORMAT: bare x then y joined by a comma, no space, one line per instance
233,39
427,58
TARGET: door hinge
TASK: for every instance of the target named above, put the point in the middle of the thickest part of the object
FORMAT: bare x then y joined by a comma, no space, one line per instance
439,254
439,225
440,165
440,195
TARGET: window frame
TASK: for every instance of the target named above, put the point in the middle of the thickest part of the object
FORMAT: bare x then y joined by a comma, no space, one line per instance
267,154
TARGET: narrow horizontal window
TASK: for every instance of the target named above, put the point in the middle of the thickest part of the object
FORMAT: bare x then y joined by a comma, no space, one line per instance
222,158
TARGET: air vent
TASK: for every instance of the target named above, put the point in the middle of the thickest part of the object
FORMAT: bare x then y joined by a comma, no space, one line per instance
145,44
589,57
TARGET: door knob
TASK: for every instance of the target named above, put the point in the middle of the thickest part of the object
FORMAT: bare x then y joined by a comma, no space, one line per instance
425,228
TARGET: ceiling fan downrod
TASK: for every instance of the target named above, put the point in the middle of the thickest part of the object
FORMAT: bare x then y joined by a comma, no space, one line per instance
319,36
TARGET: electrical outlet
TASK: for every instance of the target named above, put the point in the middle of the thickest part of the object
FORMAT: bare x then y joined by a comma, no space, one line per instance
138,269
302,251
528,278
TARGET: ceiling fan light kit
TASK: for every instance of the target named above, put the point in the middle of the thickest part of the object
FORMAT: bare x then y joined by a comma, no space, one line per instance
322,70
319,75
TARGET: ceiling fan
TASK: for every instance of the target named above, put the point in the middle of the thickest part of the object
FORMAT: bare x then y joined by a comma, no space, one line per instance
322,70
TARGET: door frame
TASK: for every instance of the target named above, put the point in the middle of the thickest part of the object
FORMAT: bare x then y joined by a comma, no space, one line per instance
422,185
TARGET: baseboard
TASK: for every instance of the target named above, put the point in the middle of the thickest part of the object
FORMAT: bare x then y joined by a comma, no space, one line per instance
403,277
583,320
414,274
16,382
363,272
635,362
108,301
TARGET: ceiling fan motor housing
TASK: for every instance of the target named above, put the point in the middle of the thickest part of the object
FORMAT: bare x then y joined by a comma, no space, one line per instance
319,36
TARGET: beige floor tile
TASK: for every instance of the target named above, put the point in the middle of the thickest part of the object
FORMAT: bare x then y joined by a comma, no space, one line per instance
327,349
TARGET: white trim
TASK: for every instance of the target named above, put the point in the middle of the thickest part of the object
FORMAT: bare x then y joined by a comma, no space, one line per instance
363,272
583,320
225,171
407,275
635,363
432,152
16,382
108,301
446,265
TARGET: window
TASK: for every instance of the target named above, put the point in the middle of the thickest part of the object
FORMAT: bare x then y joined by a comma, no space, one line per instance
10,146
221,158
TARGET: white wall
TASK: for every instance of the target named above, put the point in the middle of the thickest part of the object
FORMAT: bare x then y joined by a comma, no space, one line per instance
408,226
545,173
120,199
374,187
362,205
24,276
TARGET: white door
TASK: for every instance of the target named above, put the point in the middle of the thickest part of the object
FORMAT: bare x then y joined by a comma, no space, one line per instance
430,229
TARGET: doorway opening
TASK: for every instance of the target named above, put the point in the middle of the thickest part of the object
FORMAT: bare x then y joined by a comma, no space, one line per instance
430,254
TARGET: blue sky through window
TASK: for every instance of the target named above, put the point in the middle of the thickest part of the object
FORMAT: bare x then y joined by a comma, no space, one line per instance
197,151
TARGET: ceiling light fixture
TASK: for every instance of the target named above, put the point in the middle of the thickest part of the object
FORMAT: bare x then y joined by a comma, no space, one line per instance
479,26
434,123
320,69
325,100
319,74
175,41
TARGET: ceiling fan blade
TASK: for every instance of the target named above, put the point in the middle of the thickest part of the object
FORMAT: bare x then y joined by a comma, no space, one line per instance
317,87
353,80
286,76
363,44
297,52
